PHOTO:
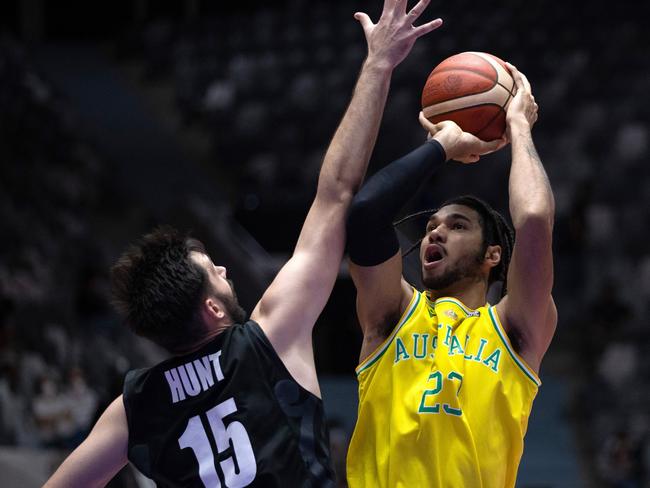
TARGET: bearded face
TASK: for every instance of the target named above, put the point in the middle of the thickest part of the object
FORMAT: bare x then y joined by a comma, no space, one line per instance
452,249
232,306
466,267
221,287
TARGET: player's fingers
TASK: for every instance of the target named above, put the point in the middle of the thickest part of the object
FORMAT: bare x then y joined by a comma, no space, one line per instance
516,76
389,5
483,147
417,10
364,20
429,126
520,79
500,143
492,146
423,29
526,83
450,126
400,6
472,158
513,69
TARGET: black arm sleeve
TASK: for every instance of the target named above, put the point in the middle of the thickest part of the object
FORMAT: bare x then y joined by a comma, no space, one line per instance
371,239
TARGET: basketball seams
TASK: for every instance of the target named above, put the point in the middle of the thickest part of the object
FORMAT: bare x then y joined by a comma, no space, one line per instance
501,72
493,80
509,90
486,104
478,55
479,100
503,109
483,69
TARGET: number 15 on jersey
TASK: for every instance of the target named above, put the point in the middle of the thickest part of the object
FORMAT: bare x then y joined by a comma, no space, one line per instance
196,438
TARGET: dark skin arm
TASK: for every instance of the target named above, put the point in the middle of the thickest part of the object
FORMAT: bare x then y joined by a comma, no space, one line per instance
528,310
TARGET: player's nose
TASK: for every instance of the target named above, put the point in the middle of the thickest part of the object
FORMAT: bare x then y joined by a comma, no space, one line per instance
438,234
222,270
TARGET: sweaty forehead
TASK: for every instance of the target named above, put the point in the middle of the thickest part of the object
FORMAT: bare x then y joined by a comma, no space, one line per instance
456,210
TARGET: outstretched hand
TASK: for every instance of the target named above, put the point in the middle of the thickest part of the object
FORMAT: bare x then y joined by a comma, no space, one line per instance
522,107
459,145
392,37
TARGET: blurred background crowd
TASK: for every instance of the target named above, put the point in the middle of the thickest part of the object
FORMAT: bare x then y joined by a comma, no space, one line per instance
250,95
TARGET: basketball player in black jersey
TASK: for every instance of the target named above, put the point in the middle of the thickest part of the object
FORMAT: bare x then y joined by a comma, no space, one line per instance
239,404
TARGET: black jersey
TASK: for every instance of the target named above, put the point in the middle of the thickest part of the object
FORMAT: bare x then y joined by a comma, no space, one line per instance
230,415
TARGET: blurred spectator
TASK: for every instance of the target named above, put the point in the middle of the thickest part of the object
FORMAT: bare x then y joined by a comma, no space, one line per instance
12,405
269,99
620,461
619,365
52,414
83,403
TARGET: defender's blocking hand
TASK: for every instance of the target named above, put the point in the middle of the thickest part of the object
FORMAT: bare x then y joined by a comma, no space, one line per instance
392,37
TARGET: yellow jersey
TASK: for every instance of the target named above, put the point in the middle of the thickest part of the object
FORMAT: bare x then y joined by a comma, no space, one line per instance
443,402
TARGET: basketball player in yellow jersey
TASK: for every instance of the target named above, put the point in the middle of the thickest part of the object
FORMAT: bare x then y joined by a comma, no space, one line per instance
446,380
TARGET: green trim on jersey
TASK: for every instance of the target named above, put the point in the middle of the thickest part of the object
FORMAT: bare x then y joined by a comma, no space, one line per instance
456,302
512,353
382,349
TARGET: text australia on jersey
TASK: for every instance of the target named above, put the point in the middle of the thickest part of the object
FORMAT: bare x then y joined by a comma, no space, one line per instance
487,356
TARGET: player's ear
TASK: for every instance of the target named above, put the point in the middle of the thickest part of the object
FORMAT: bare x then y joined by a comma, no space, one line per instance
213,309
493,255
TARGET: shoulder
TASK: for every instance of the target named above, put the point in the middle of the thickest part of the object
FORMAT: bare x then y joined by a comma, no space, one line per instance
249,340
250,332
530,340
375,338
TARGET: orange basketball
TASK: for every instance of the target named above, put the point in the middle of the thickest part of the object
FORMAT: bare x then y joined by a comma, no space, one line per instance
473,89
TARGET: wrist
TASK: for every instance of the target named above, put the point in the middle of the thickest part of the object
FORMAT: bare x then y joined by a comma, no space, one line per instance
440,148
517,124
444,143
378,65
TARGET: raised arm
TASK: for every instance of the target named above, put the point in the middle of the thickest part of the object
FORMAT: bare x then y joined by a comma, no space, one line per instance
375,258
289,308
528,308
100,456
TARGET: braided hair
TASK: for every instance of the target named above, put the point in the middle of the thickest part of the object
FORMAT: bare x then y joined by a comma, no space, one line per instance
495,228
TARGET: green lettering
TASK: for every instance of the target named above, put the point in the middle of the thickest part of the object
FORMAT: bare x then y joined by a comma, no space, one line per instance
477,358
466,341
416,337
448,336
455,344
493,359
400,351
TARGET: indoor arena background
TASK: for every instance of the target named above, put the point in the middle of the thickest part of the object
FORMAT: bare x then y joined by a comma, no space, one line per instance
117,116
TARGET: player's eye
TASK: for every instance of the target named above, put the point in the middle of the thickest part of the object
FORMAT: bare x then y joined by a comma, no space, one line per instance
458,226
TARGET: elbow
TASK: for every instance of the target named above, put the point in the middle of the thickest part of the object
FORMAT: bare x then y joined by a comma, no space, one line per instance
539,221
362,211
537,214
337,188
334,195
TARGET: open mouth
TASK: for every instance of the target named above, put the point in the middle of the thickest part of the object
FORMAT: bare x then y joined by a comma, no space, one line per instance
433,255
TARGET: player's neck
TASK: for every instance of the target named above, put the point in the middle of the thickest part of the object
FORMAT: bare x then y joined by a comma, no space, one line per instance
211,332
472,293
